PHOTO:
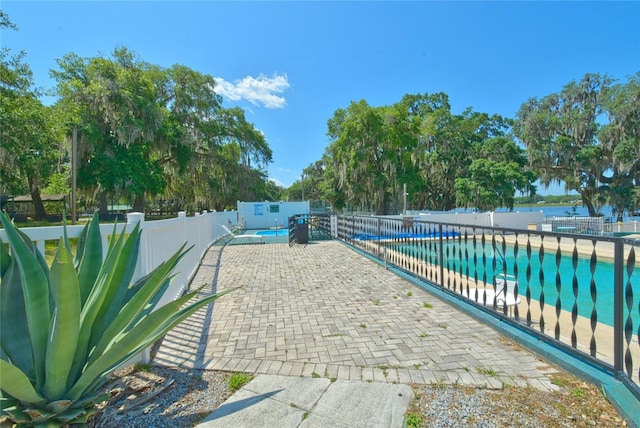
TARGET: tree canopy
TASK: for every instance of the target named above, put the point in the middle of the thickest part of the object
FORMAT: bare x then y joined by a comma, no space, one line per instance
586,136
146,131
447,160
30,132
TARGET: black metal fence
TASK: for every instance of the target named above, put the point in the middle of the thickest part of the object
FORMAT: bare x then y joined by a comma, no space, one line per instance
305,227
580,292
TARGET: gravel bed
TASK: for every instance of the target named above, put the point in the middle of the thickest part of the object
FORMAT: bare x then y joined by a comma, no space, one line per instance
176,397
162,397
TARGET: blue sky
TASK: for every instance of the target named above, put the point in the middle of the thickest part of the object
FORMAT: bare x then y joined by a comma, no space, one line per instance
290,65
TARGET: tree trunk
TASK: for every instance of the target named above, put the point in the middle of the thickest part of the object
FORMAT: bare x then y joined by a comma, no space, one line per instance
39,211
138,204
586,200
104,207
380,203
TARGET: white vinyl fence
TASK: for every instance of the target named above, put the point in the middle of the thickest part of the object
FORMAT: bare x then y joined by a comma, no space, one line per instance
160,240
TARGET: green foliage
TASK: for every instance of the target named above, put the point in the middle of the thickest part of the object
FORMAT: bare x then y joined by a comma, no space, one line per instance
30,132
146,131
587,136
59,183
413,420
446,160
238,380
66,327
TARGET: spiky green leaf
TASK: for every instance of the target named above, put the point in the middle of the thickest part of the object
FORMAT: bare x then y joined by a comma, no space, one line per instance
117,287
89,256
147,331
5,259
63,337
131,311
36,296
93,304
16,384
14,331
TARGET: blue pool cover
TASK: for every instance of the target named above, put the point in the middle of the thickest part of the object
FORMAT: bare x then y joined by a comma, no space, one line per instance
430,235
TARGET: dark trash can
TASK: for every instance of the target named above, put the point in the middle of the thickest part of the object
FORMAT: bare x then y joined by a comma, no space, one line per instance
302,232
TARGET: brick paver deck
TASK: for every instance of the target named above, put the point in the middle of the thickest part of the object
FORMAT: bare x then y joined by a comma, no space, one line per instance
324,309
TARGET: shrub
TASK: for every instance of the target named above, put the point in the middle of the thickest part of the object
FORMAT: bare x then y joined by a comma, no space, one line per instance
67,327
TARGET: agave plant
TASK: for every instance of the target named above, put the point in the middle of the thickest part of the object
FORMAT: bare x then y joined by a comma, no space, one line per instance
65,329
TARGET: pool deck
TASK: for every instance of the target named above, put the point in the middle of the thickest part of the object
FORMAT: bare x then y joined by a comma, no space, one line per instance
323,309
336,336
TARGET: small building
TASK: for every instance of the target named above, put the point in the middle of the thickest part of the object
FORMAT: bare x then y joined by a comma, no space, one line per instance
21,208
269,215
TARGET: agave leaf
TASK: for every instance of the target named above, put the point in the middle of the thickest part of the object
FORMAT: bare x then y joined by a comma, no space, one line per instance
141,336
82,239
155,299
118,285
7,404
77,415
126,321
134,288
16,414
131,311
14,332
93,305
36,296
5,259
90,400
15,383
41,418
63,337
34,250
58,406
89,256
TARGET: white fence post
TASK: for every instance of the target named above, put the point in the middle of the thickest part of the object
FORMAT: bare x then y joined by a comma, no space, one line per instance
142,267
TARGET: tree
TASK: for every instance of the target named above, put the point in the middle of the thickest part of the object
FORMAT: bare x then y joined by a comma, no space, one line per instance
366,148
497,171
444,159
560,132
118,118
29,133
146,131
621,137
458,157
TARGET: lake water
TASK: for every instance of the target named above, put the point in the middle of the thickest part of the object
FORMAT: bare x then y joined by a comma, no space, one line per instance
558,211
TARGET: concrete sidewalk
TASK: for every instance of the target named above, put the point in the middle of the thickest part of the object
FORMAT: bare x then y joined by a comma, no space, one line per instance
310,315
286,401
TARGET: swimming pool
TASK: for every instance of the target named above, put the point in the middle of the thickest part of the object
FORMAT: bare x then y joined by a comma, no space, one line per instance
556,278
278,232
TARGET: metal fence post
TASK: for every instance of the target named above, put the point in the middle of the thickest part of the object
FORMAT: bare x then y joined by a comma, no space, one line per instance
441,237
379,235
618,305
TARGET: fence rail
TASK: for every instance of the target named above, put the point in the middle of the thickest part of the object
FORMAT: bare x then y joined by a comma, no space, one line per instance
580,292
160,240
590,225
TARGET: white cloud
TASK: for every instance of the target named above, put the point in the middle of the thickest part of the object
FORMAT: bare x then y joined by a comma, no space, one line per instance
259,91
278,182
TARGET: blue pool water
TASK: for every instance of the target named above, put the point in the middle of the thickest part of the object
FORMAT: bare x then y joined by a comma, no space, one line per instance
279,232
430,235
552,271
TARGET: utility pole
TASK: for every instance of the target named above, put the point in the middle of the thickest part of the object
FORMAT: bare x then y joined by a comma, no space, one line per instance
302,184
74,167
404,199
